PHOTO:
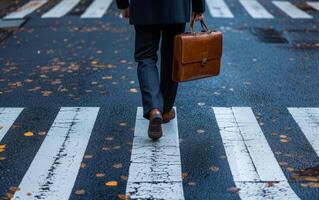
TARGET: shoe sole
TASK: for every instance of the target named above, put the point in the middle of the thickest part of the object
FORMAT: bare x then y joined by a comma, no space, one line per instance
155,128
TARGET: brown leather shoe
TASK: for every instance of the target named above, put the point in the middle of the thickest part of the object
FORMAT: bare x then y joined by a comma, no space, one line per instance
168,116
155,127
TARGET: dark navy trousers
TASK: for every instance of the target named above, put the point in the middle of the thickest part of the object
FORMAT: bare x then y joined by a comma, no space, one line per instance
158,90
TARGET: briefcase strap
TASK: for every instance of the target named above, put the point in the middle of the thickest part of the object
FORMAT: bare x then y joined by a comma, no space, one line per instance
202,23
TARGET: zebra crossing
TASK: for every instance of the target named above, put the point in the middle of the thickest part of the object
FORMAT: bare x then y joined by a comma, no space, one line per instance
216,8
155,167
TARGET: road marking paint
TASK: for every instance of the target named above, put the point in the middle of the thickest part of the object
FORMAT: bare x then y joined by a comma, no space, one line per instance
61,9
25,10
7,118
97,9
255,9
308,121
292,10
218,8
155,170
313,4
252,163
53,171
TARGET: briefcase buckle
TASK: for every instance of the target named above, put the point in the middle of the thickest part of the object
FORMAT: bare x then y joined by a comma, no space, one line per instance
204,61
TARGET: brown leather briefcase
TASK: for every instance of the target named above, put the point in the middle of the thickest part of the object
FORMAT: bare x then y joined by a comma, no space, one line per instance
197,54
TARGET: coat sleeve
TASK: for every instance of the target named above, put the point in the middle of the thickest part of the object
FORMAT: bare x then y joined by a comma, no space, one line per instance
198,6
122,4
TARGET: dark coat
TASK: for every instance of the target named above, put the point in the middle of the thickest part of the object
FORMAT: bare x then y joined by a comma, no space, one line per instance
145,12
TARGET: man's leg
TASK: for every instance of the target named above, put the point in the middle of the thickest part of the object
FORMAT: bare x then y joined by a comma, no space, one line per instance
146,45
167,85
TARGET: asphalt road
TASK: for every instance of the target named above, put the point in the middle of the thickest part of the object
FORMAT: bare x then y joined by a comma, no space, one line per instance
249,133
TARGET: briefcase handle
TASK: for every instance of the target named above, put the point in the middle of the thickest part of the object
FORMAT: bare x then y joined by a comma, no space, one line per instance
202,23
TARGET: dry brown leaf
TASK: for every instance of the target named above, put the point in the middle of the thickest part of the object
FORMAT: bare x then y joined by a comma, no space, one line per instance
184,175
124,178
2,158
14,188
99,175
118,165
83,165
28,134
111,183
80,192
123,196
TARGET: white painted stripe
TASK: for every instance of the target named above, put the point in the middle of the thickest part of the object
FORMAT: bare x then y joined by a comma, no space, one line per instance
25,10
218,8
53,171
308,121
255,9
7,118
97,9
61,9
291,10
250,158
313,4
155,170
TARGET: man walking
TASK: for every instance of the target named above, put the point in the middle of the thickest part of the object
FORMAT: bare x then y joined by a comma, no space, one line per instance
154,20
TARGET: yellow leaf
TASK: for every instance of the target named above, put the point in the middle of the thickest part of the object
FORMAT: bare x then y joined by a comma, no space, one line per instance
2,150
111,183
2,146
28,134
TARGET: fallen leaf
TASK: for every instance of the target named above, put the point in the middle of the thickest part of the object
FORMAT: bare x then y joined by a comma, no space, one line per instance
192,183
88,156
283,140
42,133
99,175
184,175
133,90
200,131
214,168
2,158
14,188
111,183
2,146
80,192
233,189
28,134
124,178
123,196
83,165
283,136
118,165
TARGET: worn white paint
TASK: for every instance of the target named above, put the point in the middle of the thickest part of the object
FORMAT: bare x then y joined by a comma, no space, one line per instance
308,121
61,9
255,9
54,169
155,170
218,8
292,10
97,9
250,158
313,4
25,10
7,118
